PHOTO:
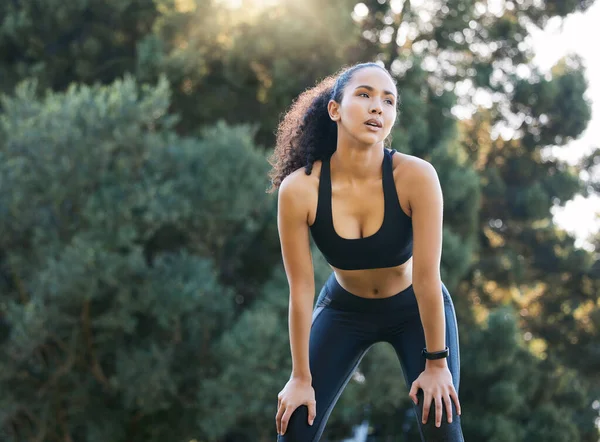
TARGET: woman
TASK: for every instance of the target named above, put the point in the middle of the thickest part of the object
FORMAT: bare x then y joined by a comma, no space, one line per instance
376,215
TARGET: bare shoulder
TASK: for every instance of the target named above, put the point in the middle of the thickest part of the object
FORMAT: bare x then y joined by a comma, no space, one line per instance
299,189
411,169
299,183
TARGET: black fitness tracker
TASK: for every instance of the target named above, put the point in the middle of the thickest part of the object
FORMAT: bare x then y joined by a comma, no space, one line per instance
436,354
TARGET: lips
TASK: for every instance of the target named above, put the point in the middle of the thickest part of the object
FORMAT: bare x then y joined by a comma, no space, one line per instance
373,122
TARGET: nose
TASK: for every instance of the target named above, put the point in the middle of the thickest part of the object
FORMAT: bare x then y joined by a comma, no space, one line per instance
375,108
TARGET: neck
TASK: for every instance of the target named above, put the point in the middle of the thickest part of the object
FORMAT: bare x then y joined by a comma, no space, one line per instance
355,161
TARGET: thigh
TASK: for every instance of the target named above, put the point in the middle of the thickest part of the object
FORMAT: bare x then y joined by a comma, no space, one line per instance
408,345
336,348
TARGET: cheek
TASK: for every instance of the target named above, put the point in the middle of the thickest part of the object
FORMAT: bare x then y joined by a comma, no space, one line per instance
354,111
391,117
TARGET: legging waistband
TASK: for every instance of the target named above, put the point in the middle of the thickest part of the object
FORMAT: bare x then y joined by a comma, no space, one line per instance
336,296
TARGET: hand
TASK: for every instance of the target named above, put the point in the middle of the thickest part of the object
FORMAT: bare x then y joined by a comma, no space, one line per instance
436,383
295,393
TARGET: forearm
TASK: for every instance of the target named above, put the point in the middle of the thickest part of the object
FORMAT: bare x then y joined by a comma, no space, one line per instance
300,321
431,309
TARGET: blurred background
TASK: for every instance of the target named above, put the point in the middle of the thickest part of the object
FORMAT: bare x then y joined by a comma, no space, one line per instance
142,295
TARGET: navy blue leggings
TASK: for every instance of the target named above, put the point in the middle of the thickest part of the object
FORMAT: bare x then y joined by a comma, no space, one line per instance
344,327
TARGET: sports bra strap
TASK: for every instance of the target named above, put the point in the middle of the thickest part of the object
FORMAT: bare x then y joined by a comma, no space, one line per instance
389,186
324,202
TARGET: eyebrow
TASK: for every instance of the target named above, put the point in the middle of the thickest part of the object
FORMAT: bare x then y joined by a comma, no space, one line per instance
371,89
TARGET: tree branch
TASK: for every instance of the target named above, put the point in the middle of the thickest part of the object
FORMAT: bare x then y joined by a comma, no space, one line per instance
87,332
60,372
64,425
393,48
20,287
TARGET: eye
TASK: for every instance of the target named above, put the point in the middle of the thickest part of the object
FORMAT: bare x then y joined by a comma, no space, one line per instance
390,101
363,93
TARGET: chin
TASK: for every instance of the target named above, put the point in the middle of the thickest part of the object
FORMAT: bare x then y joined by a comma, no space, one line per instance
367,138
371,140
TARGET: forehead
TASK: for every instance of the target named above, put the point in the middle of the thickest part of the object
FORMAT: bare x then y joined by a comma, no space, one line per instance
374,77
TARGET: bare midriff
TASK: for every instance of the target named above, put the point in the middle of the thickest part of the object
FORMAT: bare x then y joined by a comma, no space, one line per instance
376,283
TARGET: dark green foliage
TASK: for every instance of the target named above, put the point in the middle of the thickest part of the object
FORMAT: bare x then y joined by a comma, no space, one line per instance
509,390
113,304
61,42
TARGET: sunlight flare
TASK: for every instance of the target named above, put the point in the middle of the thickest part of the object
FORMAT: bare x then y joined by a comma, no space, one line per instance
248,4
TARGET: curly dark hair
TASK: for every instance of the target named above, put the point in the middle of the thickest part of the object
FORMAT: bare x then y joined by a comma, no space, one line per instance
306,133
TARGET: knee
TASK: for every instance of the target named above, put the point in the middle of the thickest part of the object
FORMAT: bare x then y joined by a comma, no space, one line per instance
298,429
446,431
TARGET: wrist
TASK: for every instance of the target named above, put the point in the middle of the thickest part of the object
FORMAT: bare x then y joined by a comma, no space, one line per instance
437,363
301,377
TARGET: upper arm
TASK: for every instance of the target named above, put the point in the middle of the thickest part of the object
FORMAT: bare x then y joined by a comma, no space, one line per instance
292,222
426,202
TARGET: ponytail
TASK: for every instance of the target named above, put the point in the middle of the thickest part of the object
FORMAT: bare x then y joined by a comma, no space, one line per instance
306,134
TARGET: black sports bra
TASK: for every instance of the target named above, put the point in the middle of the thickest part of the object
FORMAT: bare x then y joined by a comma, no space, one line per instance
390,246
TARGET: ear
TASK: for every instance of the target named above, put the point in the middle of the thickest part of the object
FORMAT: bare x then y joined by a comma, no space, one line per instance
334,110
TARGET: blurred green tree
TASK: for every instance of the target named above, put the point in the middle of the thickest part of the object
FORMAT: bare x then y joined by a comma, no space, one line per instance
60,43
524,259
113,236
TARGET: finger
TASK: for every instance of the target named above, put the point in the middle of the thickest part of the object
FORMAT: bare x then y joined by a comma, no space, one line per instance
454,397
448,404
312,411
278,417
426,406
279,401
413,392
286,418
438,410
